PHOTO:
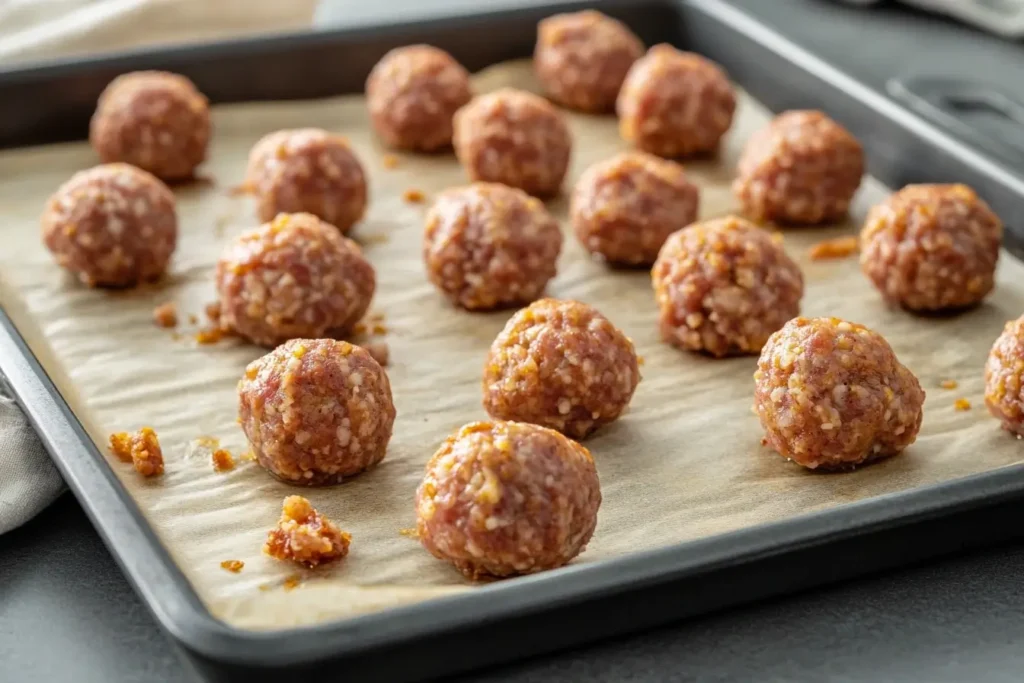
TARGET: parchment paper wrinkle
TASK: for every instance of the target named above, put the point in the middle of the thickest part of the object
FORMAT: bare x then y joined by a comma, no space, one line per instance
683,463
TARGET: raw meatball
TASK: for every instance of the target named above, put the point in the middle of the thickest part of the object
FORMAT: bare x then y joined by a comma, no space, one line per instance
293,277
623,209
675,103
724,286
831,394
113,226
316,410
932,247
506,498
516,138
413,93
307,170
1004,377
581,59
802,168
154,120
488,245
563,365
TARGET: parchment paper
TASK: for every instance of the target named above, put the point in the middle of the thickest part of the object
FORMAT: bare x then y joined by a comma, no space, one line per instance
685,462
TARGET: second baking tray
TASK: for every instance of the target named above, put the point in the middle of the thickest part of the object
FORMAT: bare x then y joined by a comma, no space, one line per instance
577,603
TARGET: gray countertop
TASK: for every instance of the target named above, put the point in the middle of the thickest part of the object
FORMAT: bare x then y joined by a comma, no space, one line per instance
67,614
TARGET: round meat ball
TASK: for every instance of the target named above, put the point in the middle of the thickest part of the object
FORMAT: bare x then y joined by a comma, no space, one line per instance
581,59
675,103
506,498
515,138
113,225
1004,378
932,247
413,93
488,246
724,286
307,170
624,208
316,411
803,168
293,277
563,365
831,395
154,120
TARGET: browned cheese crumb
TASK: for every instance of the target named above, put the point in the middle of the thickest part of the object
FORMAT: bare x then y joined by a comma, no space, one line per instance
233,566
414,196
949,384
222,460
166,315
305,536
212,311
962,404
840,247
409,533
390,161
292,581
210,335
142,449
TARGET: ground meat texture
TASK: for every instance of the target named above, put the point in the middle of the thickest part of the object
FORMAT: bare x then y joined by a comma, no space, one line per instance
623,209
488,246
112,226
932,247
515,138
316,410
506,498
581,59
831,394
675,103
560,364
413,93
154,120
1004,378
803,168
724,286
307,170
304,536
293,277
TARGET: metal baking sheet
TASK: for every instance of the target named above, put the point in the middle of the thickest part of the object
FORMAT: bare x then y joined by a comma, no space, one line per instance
568,596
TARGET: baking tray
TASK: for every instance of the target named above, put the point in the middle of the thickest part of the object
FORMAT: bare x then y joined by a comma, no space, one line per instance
577,603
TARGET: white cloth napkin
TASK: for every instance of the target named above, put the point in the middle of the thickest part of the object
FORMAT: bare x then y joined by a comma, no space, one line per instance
33,30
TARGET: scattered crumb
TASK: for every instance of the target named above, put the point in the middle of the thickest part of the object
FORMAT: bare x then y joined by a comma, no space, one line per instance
764,440
233,566
390,161
292,581
639,360
210,335
376,317
305,536
379,328
411,532
360,328
962,404
379,351
376,238
222,460
166,315
265,586
240,189
211,442
840,247
193,319
142,449
949,384
414,196
212,311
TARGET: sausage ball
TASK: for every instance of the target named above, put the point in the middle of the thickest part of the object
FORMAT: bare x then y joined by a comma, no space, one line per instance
307,170
413,93
803,168
724,286
563,365
154,120
624,208
506,498
675,103
515,138
1004,378
581,59
293,277
316,411
488,246
113,225
831,394
932,247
